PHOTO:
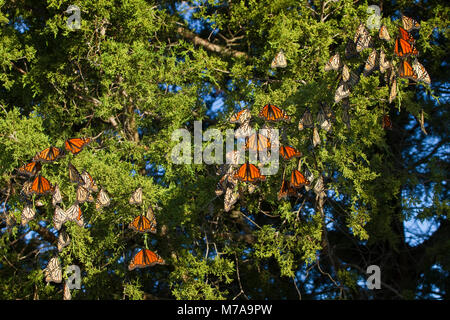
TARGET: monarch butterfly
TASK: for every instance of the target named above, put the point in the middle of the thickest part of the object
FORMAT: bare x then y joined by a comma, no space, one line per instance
409,23
231,197
48,155
288,152
370,63
241,117
345,73
89,183
316,137
142,224
327,111
272,113
323,121
75,145
334,63
406,71
102,200
74,213
63,240
403,48
84,195
244,130
151,215
346,116
422,74
59,218
350,49
383,63
145,258
342,91
57,197
306,120
30,169
286,190
41,186
53,271
28,214
362,38
405,35
387,123
384,34
298,179
249,173
318,187
279,61
257,142
136,197
74,175
393,91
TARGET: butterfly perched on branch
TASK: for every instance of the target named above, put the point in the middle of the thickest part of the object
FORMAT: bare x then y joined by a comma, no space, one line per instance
409,23
48,155
249,173
145,258
271,112
75,145
279,61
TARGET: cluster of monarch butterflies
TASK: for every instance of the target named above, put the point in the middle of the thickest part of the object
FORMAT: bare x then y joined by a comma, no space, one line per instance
40,186
250,173
143,224
404,48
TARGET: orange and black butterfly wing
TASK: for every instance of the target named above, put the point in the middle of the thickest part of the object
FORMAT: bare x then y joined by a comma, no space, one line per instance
151,258
254,174
48,155
273,113
404,48
41,186
257,142
137,261
30,169
141,224
405,35
288,152
145,258
75,145
298,179
406,71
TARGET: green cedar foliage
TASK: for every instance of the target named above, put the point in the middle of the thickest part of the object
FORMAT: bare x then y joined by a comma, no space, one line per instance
137,70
